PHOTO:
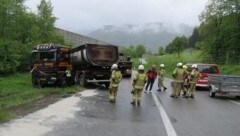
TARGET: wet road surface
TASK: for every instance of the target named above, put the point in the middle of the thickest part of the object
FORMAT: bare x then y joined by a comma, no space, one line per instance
158,115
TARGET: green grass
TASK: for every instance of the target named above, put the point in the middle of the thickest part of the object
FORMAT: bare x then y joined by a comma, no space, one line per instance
188,56
170,61
230,69
17,90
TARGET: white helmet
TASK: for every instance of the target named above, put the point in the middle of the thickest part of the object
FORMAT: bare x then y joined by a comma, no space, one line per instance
194,66
162,65
114,66
179,64
140,67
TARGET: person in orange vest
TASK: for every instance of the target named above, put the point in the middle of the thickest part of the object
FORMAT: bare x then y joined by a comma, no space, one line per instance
151,76
138,85
115,79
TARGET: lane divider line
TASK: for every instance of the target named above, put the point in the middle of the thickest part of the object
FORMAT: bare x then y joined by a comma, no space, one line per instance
234,102
166,121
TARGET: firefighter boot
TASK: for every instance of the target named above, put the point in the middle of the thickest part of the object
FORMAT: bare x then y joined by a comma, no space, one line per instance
133,103
138,103
165,88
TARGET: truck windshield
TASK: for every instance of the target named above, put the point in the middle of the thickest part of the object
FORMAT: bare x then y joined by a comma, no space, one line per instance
44,56
208,69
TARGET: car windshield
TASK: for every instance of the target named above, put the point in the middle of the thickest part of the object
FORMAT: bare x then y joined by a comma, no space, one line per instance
43,56
208,69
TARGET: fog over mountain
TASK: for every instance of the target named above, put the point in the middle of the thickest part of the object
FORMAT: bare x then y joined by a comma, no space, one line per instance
151,35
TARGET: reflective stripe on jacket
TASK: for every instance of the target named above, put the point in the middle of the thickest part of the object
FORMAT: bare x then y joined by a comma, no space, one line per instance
140,80
179,74
68,73
115,78
161,73
195,75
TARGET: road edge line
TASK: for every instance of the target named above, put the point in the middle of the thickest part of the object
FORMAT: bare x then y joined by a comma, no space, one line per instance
234,102
166,121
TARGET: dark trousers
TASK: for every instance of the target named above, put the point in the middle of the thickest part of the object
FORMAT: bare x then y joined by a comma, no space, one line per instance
150,82
69,81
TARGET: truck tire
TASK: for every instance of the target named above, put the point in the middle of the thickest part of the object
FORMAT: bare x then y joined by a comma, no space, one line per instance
211,93
40,83
34,82
82,80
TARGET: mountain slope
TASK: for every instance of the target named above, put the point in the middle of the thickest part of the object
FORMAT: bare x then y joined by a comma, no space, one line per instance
152,35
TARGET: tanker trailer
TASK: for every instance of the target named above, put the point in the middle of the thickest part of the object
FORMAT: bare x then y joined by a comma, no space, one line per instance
92,63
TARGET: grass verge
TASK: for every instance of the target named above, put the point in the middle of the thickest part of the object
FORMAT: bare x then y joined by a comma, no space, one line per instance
18,96
188,56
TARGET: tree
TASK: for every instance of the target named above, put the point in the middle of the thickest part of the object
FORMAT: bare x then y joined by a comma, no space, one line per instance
178,44
45,21
220,31
161,50
140,50
194,38
11,12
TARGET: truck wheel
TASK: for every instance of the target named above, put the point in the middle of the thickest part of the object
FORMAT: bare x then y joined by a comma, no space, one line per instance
82,80
238,97
211,93
63,82
34,82
40,83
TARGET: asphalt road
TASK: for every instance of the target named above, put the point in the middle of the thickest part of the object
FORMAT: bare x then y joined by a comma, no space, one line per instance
158,115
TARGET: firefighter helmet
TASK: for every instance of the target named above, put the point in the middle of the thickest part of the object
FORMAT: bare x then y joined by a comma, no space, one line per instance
194,66
114,66
179,64
184,66
140,67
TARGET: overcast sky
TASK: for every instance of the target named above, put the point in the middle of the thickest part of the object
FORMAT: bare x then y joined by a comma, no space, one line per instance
87,15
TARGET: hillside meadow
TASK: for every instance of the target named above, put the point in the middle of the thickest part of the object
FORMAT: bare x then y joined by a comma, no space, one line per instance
188,56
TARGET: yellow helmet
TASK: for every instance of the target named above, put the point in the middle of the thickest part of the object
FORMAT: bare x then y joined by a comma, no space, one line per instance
184,66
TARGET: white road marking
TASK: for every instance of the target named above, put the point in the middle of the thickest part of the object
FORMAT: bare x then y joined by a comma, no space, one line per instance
234,102
167,123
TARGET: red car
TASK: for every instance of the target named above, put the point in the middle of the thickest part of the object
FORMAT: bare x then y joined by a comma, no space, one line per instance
204,69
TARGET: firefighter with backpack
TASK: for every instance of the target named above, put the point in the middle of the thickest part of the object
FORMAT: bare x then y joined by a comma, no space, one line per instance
115,79
138,85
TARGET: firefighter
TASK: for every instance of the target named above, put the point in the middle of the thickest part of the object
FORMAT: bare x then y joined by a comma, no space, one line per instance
68,76
194,76
114,82
161,73
151,76
138,85
178,75
186,83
